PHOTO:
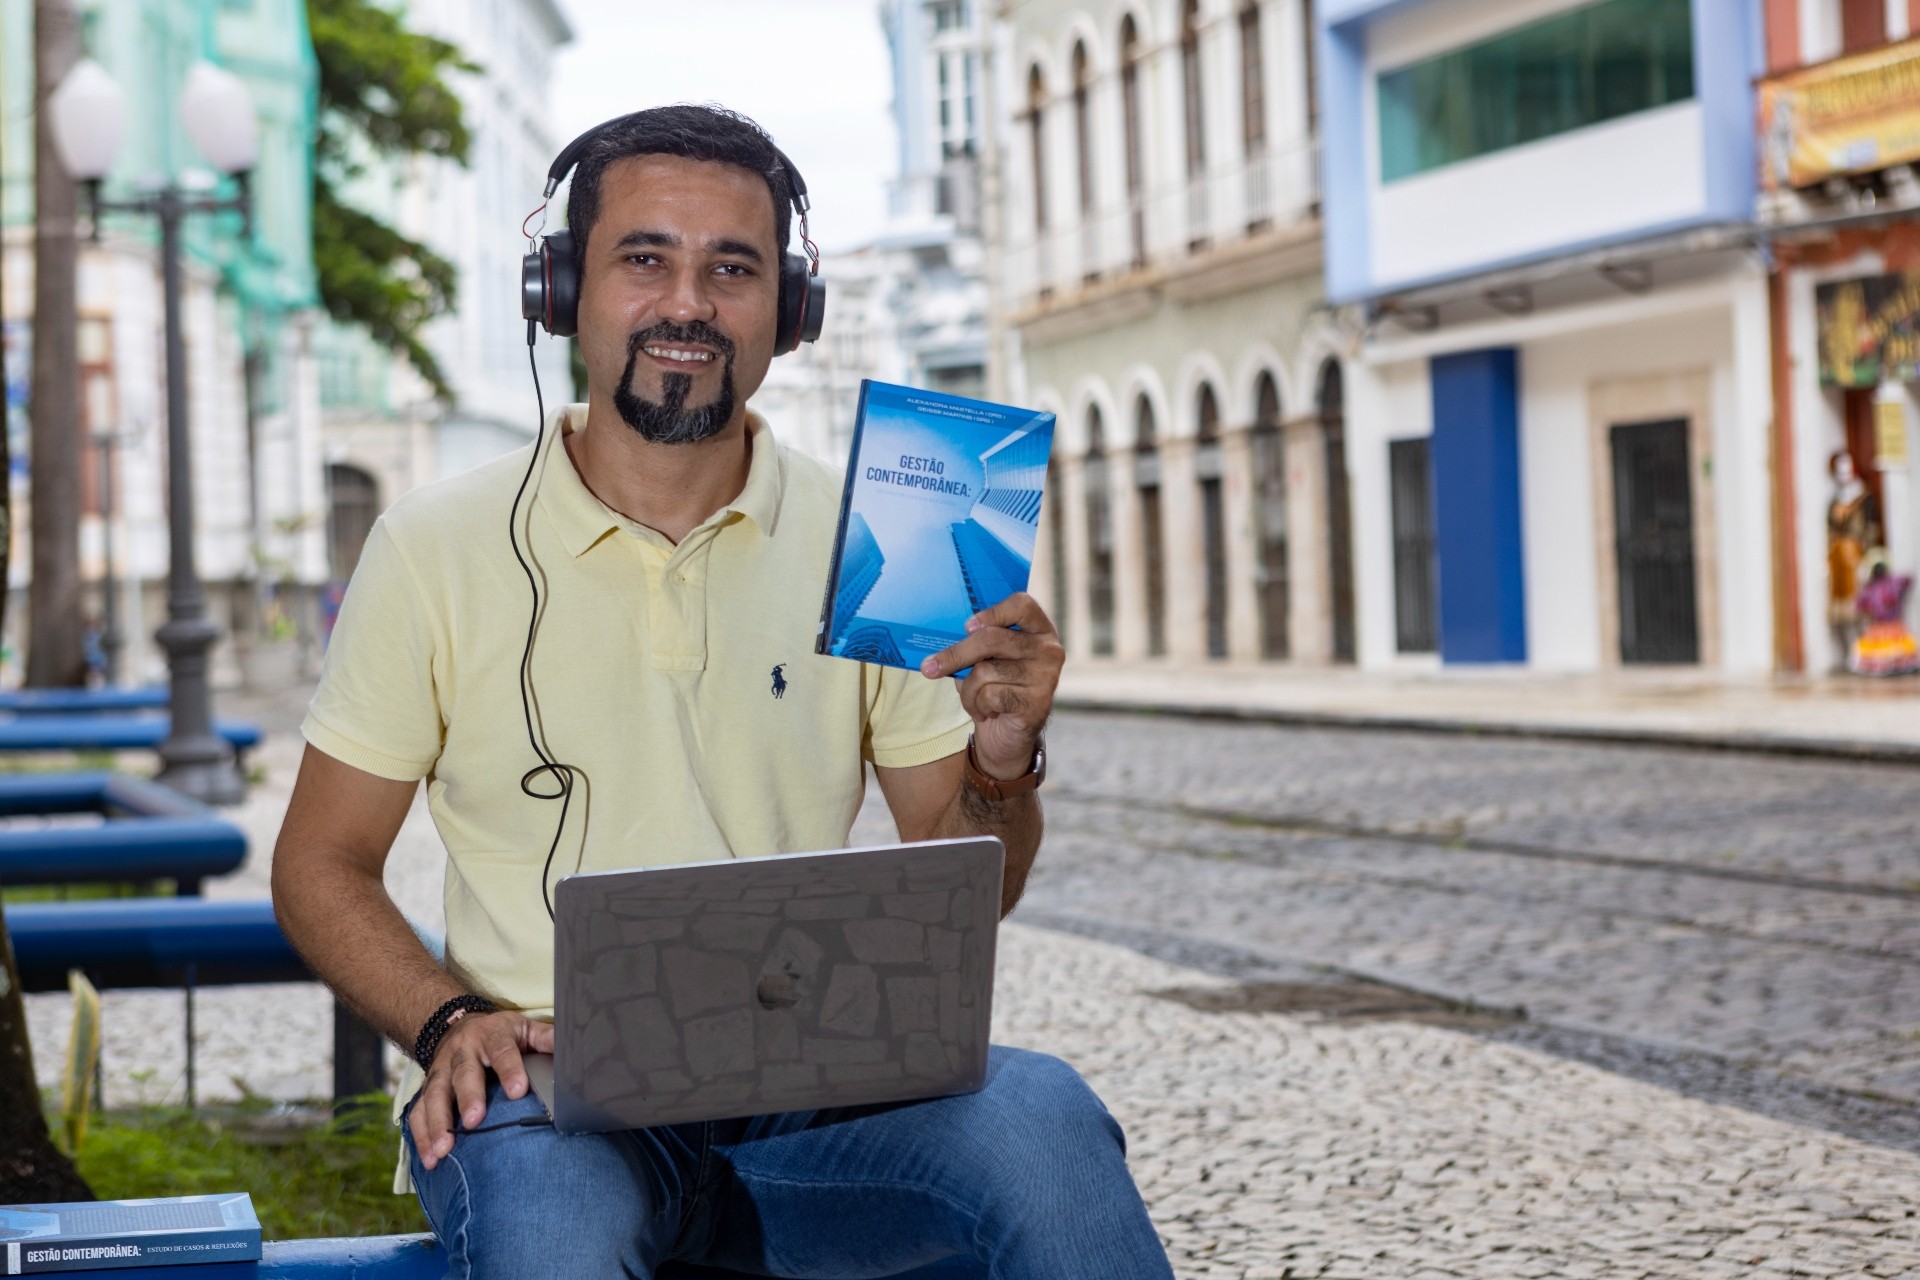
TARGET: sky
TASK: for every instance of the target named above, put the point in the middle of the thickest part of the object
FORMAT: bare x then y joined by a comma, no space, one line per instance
814,73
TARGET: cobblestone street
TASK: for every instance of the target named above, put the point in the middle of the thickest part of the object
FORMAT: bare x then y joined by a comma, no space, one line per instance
1292,961
1763,912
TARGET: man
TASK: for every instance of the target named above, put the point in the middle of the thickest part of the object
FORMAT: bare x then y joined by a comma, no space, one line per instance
682,557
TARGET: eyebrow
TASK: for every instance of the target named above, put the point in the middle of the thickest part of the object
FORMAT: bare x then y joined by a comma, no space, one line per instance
728,247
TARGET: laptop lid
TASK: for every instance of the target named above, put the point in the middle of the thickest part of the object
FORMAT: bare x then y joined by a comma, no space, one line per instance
760,985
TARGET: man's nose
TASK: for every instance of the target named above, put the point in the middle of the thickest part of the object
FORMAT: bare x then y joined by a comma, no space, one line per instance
687,297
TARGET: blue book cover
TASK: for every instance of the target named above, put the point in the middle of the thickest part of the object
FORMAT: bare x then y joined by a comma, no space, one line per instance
937,522
101,1234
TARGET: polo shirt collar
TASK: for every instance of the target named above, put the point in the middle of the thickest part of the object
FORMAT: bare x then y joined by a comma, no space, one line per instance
582,520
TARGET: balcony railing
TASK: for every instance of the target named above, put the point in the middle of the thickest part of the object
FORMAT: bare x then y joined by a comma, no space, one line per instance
1163,226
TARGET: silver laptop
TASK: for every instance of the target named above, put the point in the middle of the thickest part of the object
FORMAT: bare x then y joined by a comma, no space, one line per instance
761,985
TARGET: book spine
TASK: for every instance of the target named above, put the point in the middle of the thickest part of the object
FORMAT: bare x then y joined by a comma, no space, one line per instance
144,1249
823,637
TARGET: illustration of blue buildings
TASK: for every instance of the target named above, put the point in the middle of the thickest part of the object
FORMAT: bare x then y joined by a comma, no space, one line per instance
860,566
995,543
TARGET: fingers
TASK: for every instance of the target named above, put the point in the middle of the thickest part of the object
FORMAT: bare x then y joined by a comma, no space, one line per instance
431,1120
998,698
501,1051
985,643
458,1081
539,1035
469,1086
1017,610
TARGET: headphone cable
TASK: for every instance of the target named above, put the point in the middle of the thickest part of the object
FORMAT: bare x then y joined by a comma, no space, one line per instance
563,774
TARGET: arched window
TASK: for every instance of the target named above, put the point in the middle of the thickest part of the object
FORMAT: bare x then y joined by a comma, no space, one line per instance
1253,77
1191,88
1130,129
1269,458
1083,127
353,502
1153,562
1253,117
1213,518
1099,536
1332,401
1037,131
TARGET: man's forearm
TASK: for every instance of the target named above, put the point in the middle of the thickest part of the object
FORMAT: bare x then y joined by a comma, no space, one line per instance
1018,823
346,927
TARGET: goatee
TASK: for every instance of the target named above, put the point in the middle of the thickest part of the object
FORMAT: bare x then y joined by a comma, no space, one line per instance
669,421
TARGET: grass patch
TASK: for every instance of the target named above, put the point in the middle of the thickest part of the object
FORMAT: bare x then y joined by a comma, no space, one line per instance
332,1178
90,892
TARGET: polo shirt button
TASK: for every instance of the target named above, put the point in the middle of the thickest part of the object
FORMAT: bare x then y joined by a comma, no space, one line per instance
680,579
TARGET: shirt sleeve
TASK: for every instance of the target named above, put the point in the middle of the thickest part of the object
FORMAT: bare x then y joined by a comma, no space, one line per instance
913,720
377,707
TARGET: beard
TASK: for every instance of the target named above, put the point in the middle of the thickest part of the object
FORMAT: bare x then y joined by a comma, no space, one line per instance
668,420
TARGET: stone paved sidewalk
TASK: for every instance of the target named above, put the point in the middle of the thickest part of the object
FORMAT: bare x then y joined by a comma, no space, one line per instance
1274,1145
1844,715
1271,1145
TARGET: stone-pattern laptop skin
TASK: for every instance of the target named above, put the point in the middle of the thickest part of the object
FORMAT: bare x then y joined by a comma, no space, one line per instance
774,984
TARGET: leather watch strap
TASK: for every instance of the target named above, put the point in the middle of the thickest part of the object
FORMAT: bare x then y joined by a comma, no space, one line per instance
997,790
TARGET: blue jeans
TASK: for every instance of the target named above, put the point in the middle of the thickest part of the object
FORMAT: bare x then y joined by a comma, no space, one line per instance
1024,1180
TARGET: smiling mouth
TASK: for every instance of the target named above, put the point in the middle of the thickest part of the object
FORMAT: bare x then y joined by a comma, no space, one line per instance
680,355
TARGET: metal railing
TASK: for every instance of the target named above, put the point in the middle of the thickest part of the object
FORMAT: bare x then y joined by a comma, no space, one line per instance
1161,226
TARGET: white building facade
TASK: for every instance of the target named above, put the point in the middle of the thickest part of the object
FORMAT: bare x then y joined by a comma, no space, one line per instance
385,431
1540,232
1163,254
912,306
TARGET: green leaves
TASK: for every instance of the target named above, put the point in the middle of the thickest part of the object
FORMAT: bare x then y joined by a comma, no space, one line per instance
384,93
373,276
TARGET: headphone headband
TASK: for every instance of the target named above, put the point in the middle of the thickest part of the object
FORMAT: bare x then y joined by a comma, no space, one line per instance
570,156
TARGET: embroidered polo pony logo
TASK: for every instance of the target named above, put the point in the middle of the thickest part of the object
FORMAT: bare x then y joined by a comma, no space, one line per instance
779,681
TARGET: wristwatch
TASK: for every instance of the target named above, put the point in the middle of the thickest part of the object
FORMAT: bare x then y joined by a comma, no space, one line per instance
996,790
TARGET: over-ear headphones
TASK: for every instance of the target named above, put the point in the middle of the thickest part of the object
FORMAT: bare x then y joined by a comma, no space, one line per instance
550,274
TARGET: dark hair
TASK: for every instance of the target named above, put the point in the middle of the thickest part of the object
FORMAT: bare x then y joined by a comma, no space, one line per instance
692,131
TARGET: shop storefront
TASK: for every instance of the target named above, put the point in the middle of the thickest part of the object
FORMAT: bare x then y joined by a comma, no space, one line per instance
1839,143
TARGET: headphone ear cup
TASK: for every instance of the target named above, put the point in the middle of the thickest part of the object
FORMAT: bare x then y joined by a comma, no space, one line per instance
563,284
802,305
793,297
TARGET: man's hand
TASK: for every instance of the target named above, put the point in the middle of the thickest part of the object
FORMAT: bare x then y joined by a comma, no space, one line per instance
459,1076
1009,692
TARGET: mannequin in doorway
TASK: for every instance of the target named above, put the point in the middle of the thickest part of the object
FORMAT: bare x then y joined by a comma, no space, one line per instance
1846,547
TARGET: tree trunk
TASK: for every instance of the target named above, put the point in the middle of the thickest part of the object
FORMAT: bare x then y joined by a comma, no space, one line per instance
56,653
32,1169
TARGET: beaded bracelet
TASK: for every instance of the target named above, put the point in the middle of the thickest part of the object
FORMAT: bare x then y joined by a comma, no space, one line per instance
427,1043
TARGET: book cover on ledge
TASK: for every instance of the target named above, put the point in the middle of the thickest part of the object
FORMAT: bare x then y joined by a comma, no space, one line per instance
937,521
96,1235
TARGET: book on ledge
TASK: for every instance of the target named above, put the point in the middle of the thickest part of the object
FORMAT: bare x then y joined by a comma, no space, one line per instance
937,521
99,1234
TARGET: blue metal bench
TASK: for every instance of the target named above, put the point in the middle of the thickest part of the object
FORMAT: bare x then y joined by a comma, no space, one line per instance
146,697
152,942
150,833
108,731
186,943
404,1258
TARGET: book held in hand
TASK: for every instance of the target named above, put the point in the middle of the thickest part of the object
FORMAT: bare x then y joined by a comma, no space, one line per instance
937,522
99,1234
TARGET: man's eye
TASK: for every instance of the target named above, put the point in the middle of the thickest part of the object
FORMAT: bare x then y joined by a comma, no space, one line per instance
732,269
642,259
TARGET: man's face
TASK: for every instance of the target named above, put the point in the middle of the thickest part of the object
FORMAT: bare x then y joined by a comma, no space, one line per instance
679,294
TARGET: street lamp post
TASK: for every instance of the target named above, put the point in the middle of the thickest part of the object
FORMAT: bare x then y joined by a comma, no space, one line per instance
111,641
88,120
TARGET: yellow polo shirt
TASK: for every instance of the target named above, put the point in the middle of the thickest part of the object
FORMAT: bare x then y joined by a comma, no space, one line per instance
679,680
